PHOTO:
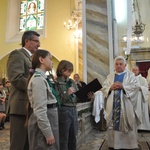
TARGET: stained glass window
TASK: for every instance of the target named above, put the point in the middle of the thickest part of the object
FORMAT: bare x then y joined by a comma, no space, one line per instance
31,15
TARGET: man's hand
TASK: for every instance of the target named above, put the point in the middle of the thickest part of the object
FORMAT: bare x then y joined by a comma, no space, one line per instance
116,85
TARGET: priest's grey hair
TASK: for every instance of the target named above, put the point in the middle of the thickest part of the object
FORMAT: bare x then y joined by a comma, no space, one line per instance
120,58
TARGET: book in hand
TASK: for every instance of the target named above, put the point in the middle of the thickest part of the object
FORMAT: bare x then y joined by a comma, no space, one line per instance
93,86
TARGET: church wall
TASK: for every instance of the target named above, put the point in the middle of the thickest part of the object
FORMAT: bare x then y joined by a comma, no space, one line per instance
58,40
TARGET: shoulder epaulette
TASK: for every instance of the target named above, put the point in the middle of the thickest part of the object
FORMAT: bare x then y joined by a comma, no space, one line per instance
37,74
61,82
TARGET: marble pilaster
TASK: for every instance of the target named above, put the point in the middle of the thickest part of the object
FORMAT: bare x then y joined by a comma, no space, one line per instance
97,40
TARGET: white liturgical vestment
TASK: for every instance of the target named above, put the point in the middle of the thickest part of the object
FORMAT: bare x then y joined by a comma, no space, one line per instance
142,107
126,137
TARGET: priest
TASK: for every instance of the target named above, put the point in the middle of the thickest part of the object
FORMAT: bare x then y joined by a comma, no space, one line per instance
120,92
142,107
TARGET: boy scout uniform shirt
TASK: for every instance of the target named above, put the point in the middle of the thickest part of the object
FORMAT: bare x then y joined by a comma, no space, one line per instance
40,95
61,88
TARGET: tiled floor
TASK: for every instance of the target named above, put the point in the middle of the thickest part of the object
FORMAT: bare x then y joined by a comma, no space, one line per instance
4,137
95,139
92,142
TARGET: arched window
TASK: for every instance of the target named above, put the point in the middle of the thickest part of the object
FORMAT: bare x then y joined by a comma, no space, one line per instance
31,15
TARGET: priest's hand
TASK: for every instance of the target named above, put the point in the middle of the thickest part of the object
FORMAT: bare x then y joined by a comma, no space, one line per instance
116,86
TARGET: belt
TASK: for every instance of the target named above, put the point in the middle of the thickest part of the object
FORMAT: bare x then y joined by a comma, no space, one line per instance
68,106
52,105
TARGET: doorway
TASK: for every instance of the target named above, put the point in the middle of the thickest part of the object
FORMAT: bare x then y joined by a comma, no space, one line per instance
143,66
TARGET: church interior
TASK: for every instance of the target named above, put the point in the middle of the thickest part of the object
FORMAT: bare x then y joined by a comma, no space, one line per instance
90,34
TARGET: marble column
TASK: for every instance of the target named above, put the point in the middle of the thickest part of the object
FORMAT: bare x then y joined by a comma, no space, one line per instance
97,40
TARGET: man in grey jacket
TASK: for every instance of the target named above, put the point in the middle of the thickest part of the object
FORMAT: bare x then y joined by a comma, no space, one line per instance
18,66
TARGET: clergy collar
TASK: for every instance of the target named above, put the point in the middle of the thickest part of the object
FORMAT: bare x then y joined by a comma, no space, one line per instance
119,73
138,75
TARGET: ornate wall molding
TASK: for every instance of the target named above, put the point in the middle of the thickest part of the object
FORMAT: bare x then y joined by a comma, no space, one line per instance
140,54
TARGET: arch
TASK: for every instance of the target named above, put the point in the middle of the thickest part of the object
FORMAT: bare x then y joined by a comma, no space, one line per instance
3,66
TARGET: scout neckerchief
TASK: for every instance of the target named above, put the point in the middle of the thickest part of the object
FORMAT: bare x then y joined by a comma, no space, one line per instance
54,92
68,84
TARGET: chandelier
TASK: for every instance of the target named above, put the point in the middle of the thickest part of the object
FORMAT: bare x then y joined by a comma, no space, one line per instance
76,19
135,38
138,27
72,24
